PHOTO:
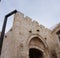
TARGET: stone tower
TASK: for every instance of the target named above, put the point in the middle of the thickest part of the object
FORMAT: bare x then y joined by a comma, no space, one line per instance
28,39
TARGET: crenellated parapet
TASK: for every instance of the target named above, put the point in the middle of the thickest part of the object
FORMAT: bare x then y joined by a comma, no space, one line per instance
26,34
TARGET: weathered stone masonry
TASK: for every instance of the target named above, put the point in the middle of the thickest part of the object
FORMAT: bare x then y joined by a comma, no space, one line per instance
27,37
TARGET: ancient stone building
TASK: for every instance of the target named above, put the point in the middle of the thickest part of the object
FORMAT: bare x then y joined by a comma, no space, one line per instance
28,39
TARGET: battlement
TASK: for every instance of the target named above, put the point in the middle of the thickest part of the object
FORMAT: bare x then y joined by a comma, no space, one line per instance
28,35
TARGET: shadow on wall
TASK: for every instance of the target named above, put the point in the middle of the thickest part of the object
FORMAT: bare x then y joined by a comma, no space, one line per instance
53,54
35,53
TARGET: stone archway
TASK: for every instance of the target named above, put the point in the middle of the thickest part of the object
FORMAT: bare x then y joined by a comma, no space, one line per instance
37,46
35,53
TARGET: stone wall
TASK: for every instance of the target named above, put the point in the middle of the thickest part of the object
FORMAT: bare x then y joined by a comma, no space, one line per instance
54,31
20,38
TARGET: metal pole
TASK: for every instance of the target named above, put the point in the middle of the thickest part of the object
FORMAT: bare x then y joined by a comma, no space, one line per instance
4,27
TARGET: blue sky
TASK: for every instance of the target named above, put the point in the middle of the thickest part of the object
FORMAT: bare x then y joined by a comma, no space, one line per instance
46,12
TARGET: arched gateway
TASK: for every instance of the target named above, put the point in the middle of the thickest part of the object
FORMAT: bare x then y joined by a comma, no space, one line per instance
37,47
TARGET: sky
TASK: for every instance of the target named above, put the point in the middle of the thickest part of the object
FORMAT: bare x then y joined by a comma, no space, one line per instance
46,12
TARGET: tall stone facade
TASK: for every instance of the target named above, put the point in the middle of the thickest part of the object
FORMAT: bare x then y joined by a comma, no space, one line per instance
28,39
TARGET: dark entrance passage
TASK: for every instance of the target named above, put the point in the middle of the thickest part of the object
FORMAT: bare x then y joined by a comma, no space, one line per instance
35,53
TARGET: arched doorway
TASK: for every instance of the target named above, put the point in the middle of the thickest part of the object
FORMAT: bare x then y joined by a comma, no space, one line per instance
37,47
35,53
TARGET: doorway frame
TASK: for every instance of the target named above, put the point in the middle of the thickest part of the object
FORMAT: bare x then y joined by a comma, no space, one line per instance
45,52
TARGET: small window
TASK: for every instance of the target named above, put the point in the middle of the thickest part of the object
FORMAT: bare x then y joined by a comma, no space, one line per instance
58,33
59,38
